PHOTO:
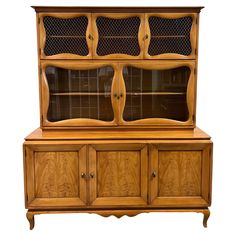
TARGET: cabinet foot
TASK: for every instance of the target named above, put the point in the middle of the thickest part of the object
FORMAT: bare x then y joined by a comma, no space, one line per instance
206,214
30,218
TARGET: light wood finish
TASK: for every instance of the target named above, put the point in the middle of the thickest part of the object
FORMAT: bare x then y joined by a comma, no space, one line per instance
183,174
193,34
117,167
118,87
117,134
42,34
73,65
117,16
119,174
117,213
162,121
53,175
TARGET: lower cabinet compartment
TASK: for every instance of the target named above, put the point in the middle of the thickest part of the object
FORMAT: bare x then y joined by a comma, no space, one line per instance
117,178
181,174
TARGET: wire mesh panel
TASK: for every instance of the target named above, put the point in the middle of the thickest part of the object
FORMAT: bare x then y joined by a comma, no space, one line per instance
118,36
65,35
170,35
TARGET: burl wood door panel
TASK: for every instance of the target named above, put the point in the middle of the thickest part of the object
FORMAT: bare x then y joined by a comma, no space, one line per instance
53,176
180,174
119,174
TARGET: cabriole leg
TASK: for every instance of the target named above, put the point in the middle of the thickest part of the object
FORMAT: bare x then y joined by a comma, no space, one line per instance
30,218
206,214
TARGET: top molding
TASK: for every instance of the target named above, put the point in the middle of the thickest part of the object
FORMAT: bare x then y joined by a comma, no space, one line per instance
149,9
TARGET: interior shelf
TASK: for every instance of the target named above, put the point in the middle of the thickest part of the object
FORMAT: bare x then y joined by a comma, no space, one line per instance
168,36
81,94
155,93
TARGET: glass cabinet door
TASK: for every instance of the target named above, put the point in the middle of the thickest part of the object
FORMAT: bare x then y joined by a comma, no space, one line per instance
78,96
158,95
65,36
118,35
170,36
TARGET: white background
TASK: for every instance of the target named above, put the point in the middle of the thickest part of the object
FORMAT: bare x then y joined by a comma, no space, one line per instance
19,106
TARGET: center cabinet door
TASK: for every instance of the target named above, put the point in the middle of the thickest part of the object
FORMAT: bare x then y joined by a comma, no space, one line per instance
118,174
118,35
79,94
159,94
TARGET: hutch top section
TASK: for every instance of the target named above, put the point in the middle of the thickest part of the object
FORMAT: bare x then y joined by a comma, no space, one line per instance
105,89
150,9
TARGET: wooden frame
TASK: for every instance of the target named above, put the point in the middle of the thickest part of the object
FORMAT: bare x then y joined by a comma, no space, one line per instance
117,167
204,200
79,121
34,202
193,35
191,96
42,36
118,16
95,200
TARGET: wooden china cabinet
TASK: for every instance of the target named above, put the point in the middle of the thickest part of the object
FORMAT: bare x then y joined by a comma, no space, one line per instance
118,131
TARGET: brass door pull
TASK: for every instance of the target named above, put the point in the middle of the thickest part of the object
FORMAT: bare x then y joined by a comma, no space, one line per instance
91,175
90,37
145,37
154,174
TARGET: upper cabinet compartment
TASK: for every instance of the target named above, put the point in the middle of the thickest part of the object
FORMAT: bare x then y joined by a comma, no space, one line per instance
170,36
118,36
65,36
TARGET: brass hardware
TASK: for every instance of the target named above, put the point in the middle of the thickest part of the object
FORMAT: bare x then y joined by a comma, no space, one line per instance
145,37
83,175
91,175
154,174
115,95
121,95
90,37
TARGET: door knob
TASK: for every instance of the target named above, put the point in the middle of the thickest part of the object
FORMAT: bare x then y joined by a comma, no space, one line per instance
154,174
83,175
91,175
90,37
145,37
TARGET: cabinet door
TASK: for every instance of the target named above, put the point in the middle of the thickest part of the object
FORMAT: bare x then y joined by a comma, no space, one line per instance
79,94
160,94
53,176
65,36
170,36
119,174
118,35
180,174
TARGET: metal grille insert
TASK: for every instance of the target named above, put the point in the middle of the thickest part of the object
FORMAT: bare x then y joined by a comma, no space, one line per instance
65,35
170,35
118,36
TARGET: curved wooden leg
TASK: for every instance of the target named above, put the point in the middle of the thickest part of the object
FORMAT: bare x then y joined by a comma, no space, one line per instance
206,214
30,218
